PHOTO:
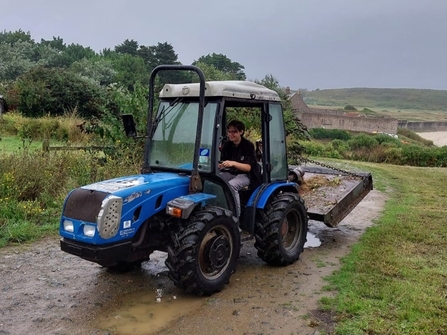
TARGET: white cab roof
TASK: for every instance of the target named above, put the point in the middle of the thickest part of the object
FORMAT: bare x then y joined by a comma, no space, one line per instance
233,89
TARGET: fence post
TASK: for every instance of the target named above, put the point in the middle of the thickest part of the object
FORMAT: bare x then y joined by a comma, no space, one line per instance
46,145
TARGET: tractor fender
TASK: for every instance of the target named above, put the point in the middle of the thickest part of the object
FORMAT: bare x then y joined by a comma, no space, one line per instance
187,203
262,194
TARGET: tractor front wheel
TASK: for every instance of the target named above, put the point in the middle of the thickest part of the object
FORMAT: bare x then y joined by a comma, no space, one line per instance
281,229
204,251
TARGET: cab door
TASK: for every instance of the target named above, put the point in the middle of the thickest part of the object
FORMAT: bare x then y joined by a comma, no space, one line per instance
277,143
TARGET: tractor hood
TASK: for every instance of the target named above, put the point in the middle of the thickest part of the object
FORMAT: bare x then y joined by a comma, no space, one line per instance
131,187
144,191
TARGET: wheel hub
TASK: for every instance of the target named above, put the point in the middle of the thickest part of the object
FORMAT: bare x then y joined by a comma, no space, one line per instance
285,228
219,251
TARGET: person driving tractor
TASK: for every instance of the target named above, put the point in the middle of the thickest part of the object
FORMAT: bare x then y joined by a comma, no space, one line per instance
238,161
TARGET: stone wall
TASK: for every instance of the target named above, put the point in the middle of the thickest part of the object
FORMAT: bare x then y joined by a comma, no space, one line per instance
347,121
340,119
421,126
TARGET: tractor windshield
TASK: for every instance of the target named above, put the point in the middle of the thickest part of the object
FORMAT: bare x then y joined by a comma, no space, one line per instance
172,144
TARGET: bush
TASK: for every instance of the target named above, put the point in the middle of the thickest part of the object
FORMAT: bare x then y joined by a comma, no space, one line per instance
321,133
393,155
362,141
55,91
294,150
418,156
380,148
340,146
62,129
383,138
319,149
350,108
441,156
314,149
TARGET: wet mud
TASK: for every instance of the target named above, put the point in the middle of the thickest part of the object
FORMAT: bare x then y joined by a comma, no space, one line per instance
46,291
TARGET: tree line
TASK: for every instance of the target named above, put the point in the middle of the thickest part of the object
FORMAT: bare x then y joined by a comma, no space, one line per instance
52,77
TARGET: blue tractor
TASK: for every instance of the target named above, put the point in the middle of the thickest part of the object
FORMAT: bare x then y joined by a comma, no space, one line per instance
179,203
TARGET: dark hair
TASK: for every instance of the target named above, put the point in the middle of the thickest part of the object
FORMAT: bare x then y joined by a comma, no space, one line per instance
239,125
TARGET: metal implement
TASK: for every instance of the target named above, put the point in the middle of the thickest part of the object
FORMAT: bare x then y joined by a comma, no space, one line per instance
332,202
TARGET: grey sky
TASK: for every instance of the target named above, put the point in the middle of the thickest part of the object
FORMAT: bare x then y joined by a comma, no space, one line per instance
303,43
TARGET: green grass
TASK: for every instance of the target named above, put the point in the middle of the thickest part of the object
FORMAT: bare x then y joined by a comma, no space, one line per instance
395,279
14,144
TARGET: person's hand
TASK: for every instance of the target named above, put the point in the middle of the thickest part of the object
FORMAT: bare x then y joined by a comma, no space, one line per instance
227,164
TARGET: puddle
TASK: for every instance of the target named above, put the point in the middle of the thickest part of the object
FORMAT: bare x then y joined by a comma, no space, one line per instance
143,314
148,313
312,241
156,265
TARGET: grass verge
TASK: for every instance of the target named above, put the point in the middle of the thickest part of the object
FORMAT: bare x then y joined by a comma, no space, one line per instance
14,144
395,280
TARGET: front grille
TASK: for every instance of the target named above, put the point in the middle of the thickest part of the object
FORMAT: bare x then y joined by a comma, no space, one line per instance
84,205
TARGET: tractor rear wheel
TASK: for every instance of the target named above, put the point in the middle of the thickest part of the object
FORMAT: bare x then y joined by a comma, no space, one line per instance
281,229
204,251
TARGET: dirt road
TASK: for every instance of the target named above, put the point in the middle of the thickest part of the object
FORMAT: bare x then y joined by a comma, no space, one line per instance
45,291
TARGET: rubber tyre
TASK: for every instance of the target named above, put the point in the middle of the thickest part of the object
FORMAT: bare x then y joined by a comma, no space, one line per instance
281,229
204,251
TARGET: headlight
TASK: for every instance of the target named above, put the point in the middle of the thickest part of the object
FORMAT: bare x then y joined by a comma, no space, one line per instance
68,226
89,230
109,216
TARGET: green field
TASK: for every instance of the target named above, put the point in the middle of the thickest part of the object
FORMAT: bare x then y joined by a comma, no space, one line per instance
11,144
407,104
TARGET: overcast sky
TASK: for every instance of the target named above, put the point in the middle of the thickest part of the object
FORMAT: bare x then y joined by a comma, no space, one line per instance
303,43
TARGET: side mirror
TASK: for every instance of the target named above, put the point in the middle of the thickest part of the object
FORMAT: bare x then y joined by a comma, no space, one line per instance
129,125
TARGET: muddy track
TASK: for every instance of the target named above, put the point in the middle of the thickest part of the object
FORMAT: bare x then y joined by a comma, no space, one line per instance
45,291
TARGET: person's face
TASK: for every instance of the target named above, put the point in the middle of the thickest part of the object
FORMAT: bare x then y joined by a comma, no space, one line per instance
234,135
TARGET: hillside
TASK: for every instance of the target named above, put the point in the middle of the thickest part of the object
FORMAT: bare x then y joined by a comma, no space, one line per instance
379,98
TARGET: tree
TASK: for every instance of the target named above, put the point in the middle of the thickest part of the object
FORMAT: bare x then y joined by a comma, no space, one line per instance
129,70
12,37
75,52
99,71
127,48
211,73
224,64
56,43
46,55
107,52
293,125
15,59
42,91
163,54
63,59
271,82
